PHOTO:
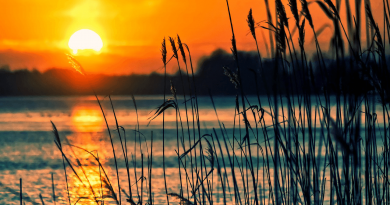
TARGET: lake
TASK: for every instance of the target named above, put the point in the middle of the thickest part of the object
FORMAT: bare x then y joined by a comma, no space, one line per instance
28,150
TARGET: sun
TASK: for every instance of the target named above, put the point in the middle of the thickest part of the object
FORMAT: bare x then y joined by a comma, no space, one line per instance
85,39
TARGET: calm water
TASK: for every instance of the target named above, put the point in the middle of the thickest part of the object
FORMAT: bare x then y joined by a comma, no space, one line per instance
28,151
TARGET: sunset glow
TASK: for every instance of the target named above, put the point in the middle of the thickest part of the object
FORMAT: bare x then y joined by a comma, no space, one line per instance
36,34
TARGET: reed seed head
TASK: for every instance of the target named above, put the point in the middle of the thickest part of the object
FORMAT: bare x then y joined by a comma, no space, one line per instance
294,10
251,23
174,49
183,54
306,13
210,154
234,47
332,7
76,65
232,76
164,52
57,136
281,12
281,38
302,34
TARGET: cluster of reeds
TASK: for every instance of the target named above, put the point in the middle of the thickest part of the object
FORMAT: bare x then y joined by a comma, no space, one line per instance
308,143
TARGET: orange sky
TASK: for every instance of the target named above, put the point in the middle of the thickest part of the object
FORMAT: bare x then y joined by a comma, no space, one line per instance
35,34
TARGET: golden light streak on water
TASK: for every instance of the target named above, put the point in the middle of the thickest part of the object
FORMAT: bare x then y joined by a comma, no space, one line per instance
89,185
87,119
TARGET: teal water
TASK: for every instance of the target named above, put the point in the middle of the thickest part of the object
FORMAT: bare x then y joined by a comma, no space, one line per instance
28,151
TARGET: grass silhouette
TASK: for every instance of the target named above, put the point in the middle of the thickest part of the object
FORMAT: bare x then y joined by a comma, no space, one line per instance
313,152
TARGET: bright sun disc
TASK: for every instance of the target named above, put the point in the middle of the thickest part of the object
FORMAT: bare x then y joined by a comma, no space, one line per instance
85,39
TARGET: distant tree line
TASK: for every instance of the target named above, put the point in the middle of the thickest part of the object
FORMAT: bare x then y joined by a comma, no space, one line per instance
212,74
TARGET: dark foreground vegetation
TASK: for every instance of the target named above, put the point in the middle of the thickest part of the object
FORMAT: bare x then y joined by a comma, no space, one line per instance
314,151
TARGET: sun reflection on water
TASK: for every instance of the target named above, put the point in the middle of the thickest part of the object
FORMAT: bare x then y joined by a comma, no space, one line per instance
87,119
88,181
